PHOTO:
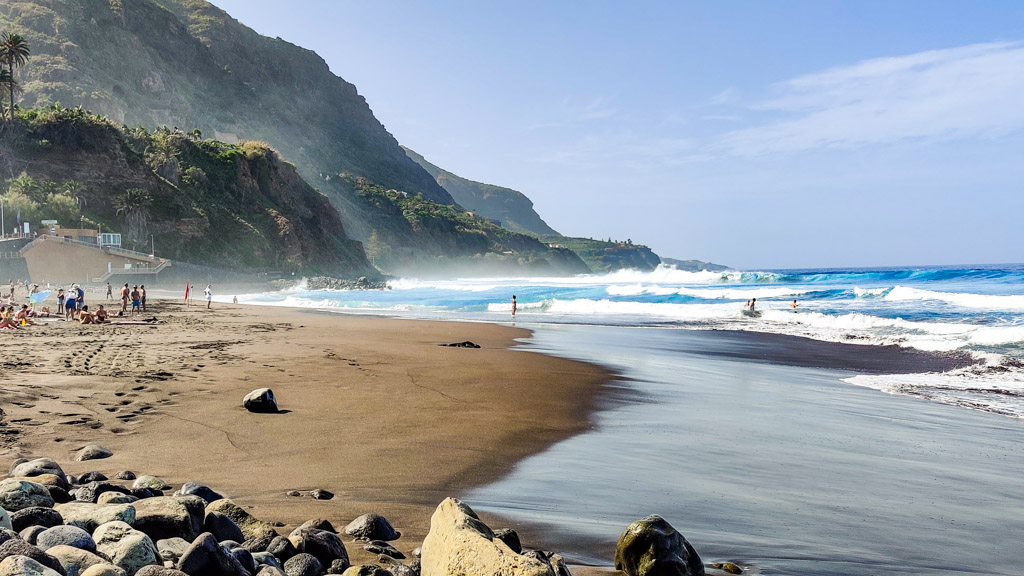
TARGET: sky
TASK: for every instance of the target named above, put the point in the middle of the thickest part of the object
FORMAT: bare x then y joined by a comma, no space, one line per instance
755,134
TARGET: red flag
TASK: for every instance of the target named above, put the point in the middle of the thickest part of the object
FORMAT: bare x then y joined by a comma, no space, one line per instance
186,290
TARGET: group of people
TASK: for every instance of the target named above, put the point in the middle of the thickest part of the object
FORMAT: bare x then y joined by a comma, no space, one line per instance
137,296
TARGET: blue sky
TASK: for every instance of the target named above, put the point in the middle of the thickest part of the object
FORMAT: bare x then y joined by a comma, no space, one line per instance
757,134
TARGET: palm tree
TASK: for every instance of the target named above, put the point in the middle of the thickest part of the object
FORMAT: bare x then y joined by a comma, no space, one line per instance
14,52
6,83
134,205
76,191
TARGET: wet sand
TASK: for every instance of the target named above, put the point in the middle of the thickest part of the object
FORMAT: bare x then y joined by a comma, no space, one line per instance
374,410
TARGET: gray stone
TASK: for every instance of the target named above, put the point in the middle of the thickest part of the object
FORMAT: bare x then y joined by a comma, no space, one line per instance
244,558
303,565
90,492
205,557
65,536
251,527
266,559
159,571
125,475
75,561
6,534
147,481
382,547
93,452
29,534
282,548
171,549
319,524
366,570
35,516
114,498
652,547
222,527
5,520
21,548
372,527
402,570
91,477
170,516
24,566
258,544
89,516
103,570
260,400
338,567
126,547
201,490
511,539
18,494
38,467
321,494
326,546
270,571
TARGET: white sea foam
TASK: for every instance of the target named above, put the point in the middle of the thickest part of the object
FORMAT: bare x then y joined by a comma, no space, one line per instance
966,300
870,292
973,387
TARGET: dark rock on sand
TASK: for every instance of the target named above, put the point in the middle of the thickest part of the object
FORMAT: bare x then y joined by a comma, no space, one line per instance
382,547
59,495
93,452
159,571
303,565
201,490
143,493
170,516
205,557
91,491
319,524
35,516
223,528
67,536
282,548
326,546
466,344
17,494
727,567
31,533
372,527
338,566
652,547
321,494
293,493
244,558
171,549
21,548
125,475
258,544
510,537
91,477
260,400
38,467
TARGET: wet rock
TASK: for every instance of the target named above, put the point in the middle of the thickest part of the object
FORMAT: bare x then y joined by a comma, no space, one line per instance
222,527
652,547
171,549
24,566
372,527
93,452
18,494
65,536
147,481
382,547
170,516
89,516
326,546
17,547
303,565
511,539
260,400
460,543
38,467
251,527
126,547
201,490
727,567
74,560
35,516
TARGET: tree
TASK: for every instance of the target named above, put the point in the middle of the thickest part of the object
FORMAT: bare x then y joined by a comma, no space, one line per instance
134,205
75,190
14,52
25,185
62,208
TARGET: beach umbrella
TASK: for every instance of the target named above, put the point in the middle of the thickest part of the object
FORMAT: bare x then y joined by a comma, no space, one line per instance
38,297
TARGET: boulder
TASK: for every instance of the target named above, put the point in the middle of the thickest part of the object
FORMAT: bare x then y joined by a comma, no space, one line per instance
556,562
89,516
222,527
251,527
372,527
321,494
59,495
170,516
24,566
91,492
511,539
205,557
257,544
282,548
201,490
338,567
103,570
5,520
38,467
65,536
21,548
366,570
171,549
92,452
91,477
152,482
266,559
159,571
35,516
48,480
74,560
326,546
125,475
244,558
459,543
652,547
260,400
18,494
402,570
29,534
382,547
319,524
125,546
270,571
113,498
303,565
6,534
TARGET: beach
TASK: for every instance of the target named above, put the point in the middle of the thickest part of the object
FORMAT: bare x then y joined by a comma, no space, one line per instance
374,410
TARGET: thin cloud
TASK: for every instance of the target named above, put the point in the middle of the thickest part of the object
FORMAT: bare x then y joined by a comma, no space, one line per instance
967,92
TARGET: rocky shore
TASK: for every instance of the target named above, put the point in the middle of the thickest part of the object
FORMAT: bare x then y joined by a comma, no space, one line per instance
361,283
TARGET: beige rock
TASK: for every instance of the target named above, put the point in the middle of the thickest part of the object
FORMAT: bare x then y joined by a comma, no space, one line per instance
126,547
115,498
250,526
24,566
89,516
104,570
18,494
459,543
47,480
75,561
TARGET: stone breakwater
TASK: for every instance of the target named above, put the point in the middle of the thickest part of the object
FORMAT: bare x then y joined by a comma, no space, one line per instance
52,523
361,283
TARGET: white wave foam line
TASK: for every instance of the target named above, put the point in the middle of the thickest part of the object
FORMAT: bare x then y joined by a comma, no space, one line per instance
971,387
870,292
606,308
703,293
966,300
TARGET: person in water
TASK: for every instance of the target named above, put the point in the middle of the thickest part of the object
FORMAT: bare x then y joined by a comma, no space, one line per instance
753,302
747,305
513,305
793,305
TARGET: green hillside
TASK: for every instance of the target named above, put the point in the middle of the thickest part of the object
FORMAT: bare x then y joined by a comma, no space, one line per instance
607,256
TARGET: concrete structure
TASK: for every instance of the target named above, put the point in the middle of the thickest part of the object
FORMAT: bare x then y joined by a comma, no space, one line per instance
56,259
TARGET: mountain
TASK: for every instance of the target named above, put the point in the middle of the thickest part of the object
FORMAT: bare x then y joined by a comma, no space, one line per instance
232,206
607,256
694,265
509,207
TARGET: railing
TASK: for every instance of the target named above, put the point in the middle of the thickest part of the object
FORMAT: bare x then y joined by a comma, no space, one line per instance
107,249
132,271
9,255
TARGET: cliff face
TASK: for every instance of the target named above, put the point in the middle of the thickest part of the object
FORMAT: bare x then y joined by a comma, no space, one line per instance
207,202
188,64
510,207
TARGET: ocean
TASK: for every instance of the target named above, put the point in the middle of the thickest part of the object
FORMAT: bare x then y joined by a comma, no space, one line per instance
885,438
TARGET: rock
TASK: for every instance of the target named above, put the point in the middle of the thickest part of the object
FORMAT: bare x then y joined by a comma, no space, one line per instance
35,516
466,344
651,546
24,566
65,536
282,548
244,559
728,567
5,520
125,475
222,527
38,467
92,477
205,557
15,547
74,560
417,552
171,549
556,562
89,516
147,481
251,527
143,493
260,400
366,570
125,546
382,547
59,494
511,539
114,498
338,567
294,493
29,534
401,570
321,494
170,516
459,543
159,571
91,492
318,524
7,534
270,571
93,452
257,544
303,565
372,527
18,494
103,570
266,559
201,490
326,546
48,480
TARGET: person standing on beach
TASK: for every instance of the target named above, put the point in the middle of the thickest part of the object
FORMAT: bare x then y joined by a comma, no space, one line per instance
124,299
135,300
110,292
142,296
513,305
80,295
60,301
70,306
209,295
